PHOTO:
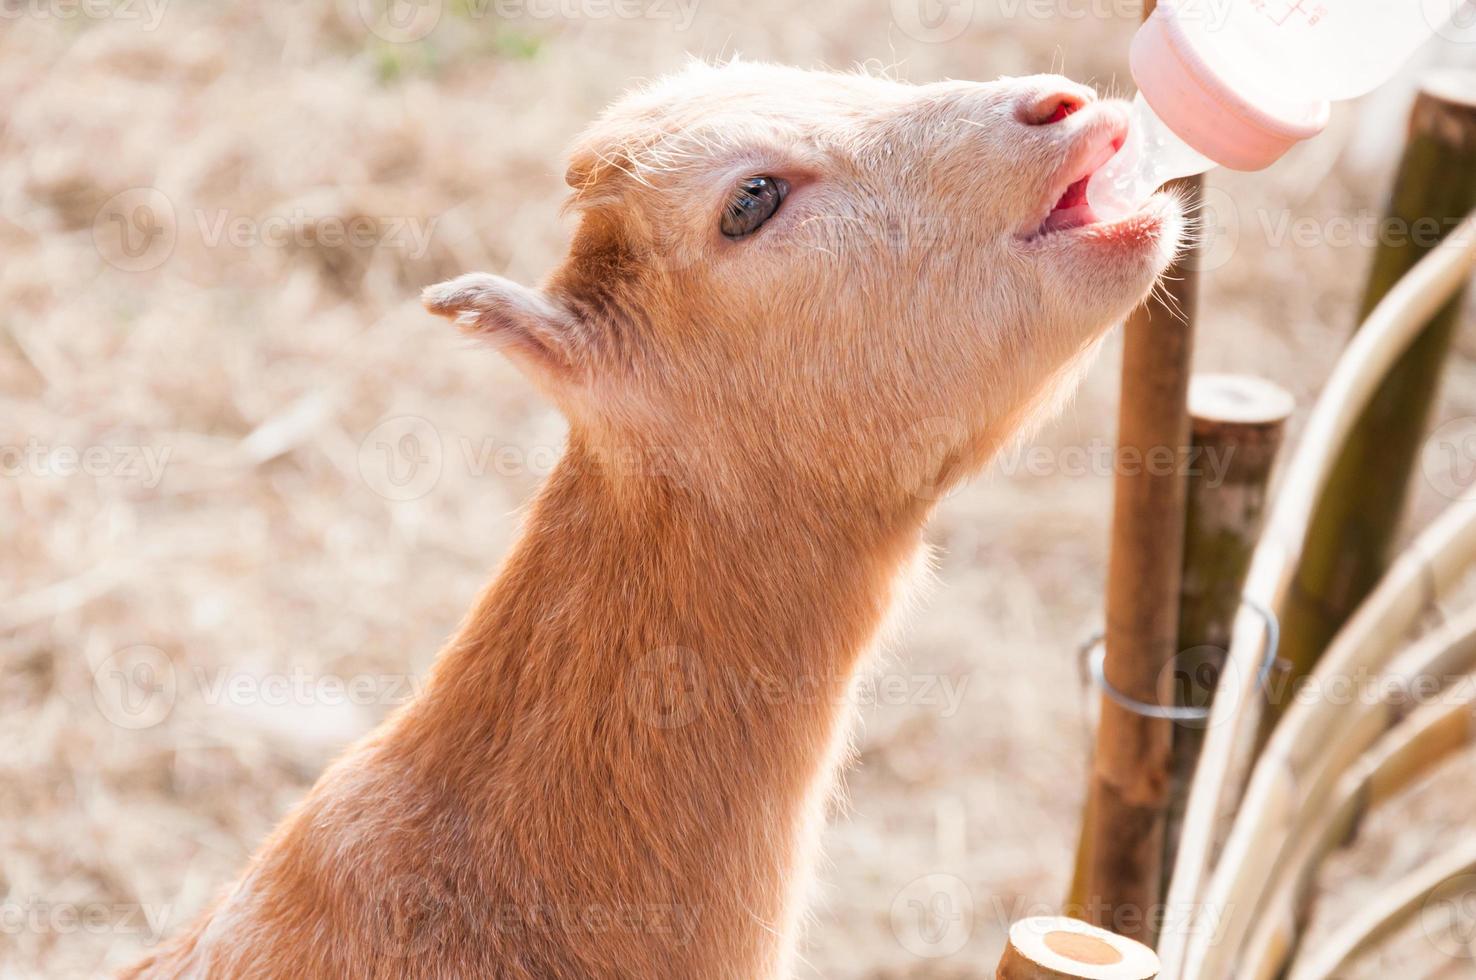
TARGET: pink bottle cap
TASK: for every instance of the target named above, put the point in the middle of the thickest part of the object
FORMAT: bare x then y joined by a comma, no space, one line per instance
1205,109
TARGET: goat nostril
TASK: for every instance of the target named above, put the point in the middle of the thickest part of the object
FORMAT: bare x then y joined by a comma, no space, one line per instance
1063,109
1050,109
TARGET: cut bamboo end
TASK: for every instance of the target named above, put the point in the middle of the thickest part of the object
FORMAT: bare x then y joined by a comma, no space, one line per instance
1242,399
1238,422
1057,948
1447,105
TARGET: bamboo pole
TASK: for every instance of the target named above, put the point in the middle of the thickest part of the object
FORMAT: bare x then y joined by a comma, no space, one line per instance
1395,906
1360,508
1387,332
1320,739
1237,423
1058,948
1130,771
1420,742
1081,864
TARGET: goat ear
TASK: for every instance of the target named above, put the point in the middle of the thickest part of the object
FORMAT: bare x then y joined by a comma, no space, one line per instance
526,324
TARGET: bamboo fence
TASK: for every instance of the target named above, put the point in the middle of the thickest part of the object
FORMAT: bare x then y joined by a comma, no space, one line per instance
1360,507
1411,750
1387,332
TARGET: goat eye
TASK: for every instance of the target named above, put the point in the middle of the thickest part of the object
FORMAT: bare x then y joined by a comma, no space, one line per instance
754,201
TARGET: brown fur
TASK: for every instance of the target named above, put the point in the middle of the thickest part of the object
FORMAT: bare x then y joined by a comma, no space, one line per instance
619,765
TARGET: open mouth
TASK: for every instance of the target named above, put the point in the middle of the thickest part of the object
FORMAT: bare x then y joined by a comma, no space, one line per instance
1071,209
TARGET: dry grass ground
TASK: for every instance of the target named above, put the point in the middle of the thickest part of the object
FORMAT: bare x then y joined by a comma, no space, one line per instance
225,585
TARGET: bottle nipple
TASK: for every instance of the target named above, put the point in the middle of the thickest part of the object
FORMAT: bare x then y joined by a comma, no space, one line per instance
1151,156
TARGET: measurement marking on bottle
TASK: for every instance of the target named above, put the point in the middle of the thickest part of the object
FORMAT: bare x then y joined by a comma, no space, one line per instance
1279,12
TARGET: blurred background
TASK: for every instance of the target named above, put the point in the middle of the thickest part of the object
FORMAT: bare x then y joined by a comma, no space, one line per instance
247,487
